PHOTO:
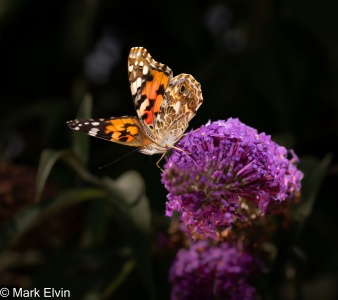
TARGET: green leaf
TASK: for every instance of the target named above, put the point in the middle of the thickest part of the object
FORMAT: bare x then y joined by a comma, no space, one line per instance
111,288
35,214
133,216
47,160
314,174
80,142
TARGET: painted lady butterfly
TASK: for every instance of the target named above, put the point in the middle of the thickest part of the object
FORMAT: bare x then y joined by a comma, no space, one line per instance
164,106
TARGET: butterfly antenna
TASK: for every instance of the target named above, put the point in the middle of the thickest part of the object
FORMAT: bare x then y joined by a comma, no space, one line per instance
116,160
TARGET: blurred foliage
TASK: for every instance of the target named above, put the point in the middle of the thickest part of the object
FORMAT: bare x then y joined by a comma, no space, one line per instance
272,64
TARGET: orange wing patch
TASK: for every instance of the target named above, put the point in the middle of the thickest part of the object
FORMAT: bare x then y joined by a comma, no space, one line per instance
122,130
148,82
152,95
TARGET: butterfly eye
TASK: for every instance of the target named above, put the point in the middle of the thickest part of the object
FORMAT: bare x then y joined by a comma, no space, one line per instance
182,89
191,103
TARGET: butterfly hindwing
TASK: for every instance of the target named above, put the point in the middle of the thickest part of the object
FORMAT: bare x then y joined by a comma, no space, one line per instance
182,99
124,130
148,82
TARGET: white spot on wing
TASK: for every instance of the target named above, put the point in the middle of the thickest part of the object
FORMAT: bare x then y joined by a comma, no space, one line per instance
176,107
133,89
95,123
130,68
76,128
138,82
144,104
93,131
145,70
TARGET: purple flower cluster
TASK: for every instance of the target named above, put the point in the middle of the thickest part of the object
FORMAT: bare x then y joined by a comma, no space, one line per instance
205,272
223,167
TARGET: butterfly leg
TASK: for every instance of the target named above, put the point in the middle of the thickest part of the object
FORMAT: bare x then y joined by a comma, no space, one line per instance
157,163
179,149
169,146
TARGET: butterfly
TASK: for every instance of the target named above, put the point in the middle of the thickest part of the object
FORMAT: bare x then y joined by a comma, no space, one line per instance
164,105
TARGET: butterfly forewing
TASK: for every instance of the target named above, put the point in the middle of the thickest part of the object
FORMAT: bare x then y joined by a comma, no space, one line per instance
124,130
148,81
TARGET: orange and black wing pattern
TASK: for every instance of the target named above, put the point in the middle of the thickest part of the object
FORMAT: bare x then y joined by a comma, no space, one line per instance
124,130
148,82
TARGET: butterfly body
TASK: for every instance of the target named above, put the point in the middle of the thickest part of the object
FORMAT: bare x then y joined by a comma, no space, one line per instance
164,106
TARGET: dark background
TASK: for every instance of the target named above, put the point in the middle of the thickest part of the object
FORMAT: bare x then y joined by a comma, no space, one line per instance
272,64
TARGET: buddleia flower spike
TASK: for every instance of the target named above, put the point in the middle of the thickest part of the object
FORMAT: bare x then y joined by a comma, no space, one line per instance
227,172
